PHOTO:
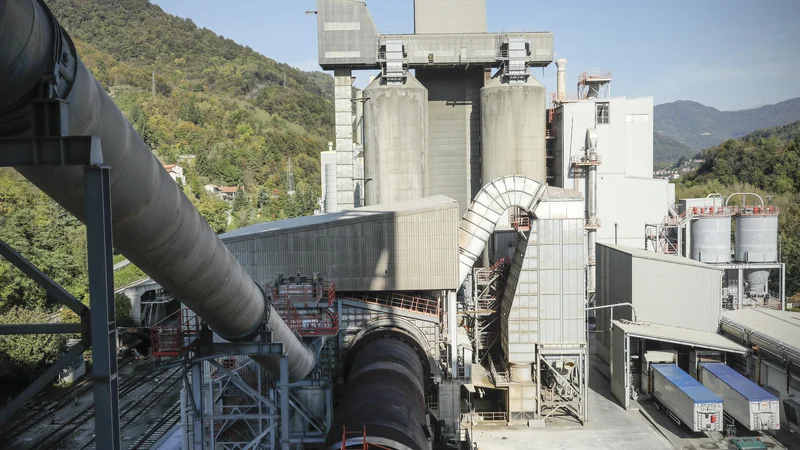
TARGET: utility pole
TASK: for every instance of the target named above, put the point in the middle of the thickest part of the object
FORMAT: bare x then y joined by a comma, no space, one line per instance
289,177
153,88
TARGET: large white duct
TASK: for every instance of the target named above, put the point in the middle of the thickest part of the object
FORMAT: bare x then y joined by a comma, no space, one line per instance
485,211
154,224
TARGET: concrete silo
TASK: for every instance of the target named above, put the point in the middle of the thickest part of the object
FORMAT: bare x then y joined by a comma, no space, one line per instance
513,129
395,141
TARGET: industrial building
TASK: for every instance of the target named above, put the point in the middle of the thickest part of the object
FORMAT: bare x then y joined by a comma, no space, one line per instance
450,270
701,229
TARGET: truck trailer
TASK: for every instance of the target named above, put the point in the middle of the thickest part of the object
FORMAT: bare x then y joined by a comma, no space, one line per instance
745,401
685,399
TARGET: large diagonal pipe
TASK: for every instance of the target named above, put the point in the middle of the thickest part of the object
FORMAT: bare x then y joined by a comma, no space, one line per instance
154,224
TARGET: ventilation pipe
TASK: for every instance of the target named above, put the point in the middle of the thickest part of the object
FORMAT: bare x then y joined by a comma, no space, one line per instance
591,204
561,80
154,224
485,211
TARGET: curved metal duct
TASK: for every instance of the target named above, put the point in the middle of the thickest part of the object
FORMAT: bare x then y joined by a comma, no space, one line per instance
384,394
154,225
485,211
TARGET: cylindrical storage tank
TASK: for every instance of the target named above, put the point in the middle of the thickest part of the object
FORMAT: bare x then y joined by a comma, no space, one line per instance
384,394
711,239
513,130
756,239
756,282
395,141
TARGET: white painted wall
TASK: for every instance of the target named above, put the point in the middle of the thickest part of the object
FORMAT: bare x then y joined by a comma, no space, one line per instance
627,193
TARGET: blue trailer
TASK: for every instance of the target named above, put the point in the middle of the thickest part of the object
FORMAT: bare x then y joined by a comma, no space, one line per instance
748,403
685,399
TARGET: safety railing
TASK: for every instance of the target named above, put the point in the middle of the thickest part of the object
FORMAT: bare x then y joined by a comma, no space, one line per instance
309,322
488,303
359,438
174,335
592,222
486,416
583,160
587,77
305,295
418,304
521,222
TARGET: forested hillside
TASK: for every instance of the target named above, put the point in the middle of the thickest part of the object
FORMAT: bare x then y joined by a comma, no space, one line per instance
766,162
698,126
667,151
226,114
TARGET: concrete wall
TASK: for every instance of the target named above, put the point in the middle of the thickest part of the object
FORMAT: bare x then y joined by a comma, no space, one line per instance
405,247
449,16
396,148
513,130
664,289
454,122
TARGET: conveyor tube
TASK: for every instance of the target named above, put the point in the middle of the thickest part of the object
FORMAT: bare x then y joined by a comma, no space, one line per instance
154,224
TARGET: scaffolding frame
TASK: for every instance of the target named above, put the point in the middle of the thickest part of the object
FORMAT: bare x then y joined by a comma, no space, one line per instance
243,407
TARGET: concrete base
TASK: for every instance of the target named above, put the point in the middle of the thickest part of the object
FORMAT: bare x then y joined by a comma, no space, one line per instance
536,423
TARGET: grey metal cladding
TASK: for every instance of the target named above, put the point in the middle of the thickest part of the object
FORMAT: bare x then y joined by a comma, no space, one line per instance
408,246
347,36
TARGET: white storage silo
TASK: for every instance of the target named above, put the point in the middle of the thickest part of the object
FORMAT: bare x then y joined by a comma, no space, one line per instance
395,141
756,238
711,239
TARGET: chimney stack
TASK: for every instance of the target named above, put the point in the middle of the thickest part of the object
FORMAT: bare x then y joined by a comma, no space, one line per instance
561,82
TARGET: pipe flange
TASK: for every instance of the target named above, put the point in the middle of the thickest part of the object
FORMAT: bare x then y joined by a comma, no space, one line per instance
57,81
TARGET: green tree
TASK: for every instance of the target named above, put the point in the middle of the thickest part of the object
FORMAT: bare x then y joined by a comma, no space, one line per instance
29,354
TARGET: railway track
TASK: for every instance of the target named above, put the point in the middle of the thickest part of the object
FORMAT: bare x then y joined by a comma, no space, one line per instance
55,437
12,430
129,414
155,432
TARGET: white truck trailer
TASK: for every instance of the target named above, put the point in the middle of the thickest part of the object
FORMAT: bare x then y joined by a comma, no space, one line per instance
685,399
745,401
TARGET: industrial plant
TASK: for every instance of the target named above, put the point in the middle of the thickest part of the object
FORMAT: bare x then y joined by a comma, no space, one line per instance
476,258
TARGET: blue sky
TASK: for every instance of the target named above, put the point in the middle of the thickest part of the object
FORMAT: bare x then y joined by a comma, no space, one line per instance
729,54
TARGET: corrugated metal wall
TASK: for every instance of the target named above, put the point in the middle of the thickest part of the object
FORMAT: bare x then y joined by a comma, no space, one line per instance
675,294
544,300
402,251
561,282
666,290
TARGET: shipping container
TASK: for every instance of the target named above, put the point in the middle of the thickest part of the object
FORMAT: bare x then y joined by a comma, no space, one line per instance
686,400
744,400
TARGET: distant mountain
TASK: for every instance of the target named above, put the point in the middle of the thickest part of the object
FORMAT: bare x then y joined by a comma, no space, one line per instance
698,126
668,151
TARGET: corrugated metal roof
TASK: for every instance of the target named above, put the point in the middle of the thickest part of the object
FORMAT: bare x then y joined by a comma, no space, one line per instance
356,215
782,326
739,382
678,335
687,384
644,254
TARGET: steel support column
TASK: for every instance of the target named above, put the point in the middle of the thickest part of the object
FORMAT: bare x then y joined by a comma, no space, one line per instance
196,397
103,320
283,382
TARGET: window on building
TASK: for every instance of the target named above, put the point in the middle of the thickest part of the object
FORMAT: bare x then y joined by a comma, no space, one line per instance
601,113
